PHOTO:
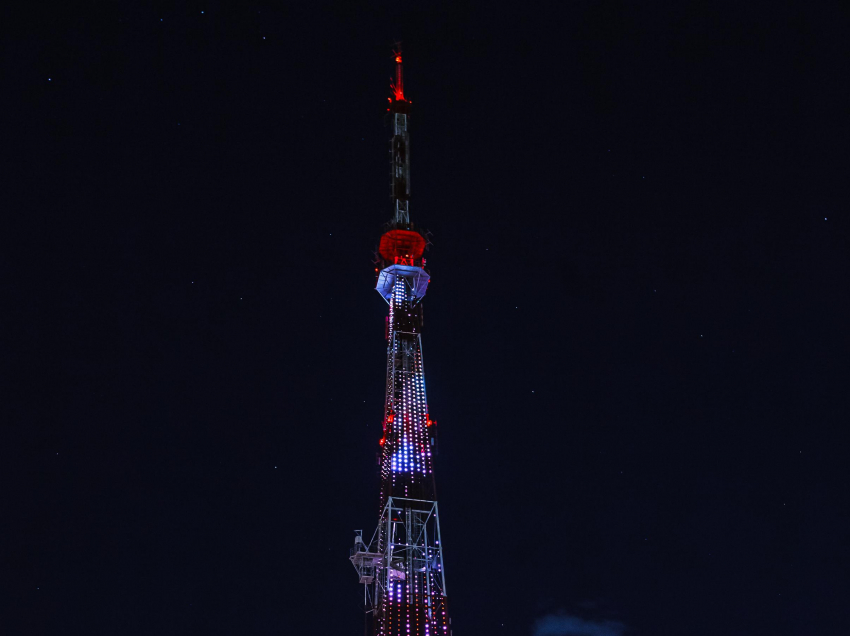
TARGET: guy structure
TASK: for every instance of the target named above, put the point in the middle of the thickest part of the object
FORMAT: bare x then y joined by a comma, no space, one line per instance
401,567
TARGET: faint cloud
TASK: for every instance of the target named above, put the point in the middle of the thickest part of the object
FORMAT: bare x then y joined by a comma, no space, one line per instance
565,625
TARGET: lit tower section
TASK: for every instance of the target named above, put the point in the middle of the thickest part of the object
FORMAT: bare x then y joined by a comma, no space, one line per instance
401,568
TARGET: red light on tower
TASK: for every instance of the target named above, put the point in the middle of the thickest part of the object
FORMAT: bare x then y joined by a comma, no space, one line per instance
398,85
402,245
398,93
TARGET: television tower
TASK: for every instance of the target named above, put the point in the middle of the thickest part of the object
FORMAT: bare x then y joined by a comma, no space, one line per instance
401,568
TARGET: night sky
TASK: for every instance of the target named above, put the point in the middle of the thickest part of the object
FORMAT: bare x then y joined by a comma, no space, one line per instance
636,333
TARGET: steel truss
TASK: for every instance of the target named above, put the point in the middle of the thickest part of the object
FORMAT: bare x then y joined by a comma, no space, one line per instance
405,551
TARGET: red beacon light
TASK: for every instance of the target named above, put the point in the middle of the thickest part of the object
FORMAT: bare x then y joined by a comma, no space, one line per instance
402,247
397,87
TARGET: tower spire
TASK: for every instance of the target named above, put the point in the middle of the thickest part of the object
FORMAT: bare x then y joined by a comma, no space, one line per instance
397,86
399,145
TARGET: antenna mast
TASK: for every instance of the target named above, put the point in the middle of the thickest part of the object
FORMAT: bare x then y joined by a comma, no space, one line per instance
399,145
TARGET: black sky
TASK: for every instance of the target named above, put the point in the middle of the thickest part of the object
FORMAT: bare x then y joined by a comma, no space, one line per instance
636,339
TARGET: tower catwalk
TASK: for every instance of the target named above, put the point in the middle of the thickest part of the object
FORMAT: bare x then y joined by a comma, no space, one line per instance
401,567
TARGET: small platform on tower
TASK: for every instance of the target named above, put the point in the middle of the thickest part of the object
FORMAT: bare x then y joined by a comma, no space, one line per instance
416,278
403,247
366,563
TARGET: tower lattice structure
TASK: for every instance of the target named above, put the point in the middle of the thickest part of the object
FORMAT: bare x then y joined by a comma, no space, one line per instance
401,567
